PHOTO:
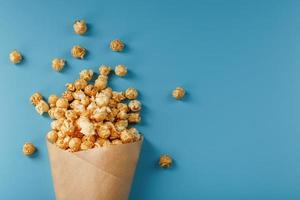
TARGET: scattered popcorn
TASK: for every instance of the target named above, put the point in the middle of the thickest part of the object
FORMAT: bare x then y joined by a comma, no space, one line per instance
131,93
42,107
165,161
120,70
15,57
80,27
52,100
78,52
58,64
36,98
86,74
104,70
28,149
135,105
117,45
178,93
52,136
62,103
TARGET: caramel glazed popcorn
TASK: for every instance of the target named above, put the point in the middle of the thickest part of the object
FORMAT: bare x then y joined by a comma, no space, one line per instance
90,116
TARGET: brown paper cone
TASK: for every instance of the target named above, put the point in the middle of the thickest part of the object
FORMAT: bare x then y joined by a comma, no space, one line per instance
97,174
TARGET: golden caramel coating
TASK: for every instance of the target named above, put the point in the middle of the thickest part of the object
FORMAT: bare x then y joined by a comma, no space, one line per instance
52,136
86,74
90,90
87,145
131,93
104,70
103,131
56,124
51,113
58,64
28,149
86,126
118,96
62,103
134,117
178,93
121,70
126,136
80,27
80,84
15,57
59,113
68,127
62,143
102,142
74,144
78,52
117,45
85,101
116,141
122,107
135,105
70,87
101,82
121,125
123,115
90,138
68,95
52,100
42,107
71,115
165,161
135,134
36,98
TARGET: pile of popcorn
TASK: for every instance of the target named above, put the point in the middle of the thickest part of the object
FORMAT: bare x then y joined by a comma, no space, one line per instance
90,115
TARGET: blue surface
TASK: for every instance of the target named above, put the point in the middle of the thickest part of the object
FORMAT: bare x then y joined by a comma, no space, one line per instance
236,135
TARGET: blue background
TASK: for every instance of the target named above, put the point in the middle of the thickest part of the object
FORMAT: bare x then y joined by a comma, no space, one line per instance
234,136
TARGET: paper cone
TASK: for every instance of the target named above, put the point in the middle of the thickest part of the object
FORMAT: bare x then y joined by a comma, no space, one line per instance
97,174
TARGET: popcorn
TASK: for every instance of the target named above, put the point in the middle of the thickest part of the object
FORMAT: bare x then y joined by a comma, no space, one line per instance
120,70
42,107
86,126
102,142
75,144
104,70
36,98
135,134
68,127
101,82
178,93
90,90
117,141
99,114
80,27
68,95
126,136
165,161
104,131
51,113
121,125
62,143
118,96
28,149
77,107
56,124
86,145
134,117
135,105
123,115
71,115
52,100
117,45
15,57
102,99
62,103
131,93
78,52
80,84
78,95
90,138
59,113
70,87
86,74
58,64
52,136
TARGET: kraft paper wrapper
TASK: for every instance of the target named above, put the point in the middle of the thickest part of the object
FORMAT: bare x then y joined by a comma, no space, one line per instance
104,173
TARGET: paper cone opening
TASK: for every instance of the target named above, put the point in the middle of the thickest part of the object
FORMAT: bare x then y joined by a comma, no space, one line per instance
104,173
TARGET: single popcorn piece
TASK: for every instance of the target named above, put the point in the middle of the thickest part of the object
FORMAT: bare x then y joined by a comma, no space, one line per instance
104,131
86,145
52,100
68,127
74,144
80,27
68,95
126,136
71,114
131,93
79,95
42,107
78,52
135,105
178,93
62,103
134,117
165,161
121,125
51,113
52,136
62,143
86,74
135,134
70,87
101,82
80,84
15,57
117,45
28,149
102,99
90,138
118,96
86,126
56,124
36,98
58,64
120,70
99,114
59,113
102,142
104,70
116,141
90,90
122,115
